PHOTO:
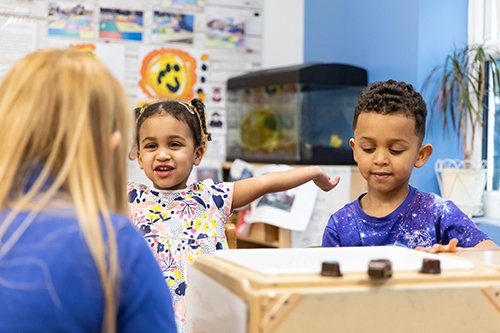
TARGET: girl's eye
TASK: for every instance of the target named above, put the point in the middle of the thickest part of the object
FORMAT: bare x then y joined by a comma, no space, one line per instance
175,144
368,150
150,146
396,152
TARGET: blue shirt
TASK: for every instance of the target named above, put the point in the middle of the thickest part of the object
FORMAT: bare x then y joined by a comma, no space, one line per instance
423,219
49,281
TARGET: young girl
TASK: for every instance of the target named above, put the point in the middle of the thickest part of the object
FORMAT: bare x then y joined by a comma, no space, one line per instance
182,222
68,261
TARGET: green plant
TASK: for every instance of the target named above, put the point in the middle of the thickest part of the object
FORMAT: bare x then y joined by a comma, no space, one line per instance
460,94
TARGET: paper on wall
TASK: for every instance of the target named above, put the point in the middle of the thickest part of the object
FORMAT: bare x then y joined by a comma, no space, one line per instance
17,37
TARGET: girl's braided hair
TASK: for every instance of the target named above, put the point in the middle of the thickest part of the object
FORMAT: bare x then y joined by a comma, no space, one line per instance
193,115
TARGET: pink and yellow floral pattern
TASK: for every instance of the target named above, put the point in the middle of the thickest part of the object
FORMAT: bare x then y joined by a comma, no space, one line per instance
179,226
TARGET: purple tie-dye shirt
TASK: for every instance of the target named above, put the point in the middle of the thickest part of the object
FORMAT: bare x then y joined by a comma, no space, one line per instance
423,219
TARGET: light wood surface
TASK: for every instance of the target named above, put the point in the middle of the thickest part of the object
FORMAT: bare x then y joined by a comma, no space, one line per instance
463,300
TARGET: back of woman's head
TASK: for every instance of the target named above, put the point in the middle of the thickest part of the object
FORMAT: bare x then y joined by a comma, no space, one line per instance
59,110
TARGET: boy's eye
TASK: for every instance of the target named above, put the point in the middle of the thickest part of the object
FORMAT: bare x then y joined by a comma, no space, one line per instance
368,150
396,152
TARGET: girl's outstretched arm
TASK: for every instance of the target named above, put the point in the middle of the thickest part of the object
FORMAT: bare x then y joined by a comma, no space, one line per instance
247,190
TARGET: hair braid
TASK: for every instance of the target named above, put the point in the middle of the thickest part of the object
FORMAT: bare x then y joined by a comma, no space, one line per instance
200,109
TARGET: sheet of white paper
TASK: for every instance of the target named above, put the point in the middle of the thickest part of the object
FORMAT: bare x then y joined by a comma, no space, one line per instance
17,37
326,204
290,209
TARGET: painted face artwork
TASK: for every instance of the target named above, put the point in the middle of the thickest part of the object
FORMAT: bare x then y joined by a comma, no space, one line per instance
168,73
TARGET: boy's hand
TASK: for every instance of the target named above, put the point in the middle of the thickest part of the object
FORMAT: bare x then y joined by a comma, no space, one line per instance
436,248
324,182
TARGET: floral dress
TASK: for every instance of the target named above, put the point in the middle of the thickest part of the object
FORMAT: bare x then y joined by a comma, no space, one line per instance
179,226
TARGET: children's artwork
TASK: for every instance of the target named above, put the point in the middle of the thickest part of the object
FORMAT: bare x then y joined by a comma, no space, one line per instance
112,55
217,95
121,24
172,73
216,121
71,19
225,32
172,28
198,5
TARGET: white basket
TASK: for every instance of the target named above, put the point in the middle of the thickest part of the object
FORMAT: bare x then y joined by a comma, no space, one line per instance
461,184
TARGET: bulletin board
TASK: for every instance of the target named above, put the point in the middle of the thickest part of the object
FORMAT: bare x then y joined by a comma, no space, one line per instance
157,49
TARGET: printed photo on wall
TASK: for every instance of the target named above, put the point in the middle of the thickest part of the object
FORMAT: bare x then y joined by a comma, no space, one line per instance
172,28
228,32
172,73
198,5
71,19
121,24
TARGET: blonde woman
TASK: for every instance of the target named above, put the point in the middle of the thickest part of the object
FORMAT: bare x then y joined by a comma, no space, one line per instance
69,259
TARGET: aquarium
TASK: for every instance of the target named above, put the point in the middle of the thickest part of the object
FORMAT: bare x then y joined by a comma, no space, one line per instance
295,115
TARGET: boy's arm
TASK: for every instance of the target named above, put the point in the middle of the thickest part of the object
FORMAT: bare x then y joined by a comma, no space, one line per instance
247,190
485,245
458,228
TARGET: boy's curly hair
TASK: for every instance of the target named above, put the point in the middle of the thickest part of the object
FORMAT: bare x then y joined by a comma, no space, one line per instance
392,97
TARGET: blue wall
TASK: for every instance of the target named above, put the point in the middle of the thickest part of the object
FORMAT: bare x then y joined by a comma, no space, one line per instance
391,39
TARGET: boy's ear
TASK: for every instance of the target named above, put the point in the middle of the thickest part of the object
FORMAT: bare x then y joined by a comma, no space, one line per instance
423,155
199,152
139,159
353,147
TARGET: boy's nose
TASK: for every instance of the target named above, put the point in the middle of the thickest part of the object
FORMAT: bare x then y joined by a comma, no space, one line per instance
380,157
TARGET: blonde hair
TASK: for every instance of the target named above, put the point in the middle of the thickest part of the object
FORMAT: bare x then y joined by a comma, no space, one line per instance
58,111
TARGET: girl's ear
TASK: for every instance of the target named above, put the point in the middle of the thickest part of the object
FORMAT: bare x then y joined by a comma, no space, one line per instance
199,152
139,159
423,155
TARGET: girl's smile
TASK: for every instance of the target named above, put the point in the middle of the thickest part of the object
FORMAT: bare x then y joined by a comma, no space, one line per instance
167,151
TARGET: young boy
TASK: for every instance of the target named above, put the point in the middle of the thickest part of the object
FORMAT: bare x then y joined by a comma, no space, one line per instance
389,128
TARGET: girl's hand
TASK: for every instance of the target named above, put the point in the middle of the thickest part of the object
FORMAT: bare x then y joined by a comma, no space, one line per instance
436,248
324,182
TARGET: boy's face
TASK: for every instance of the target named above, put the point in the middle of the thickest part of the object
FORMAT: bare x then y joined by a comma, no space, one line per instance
386,150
